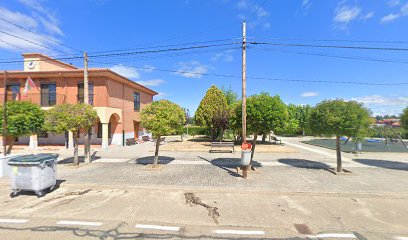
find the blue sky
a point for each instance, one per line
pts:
(103, 25)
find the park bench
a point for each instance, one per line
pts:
(130, 141)
(222, 144)
(275, 140)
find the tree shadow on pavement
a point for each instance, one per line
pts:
(149, 160)
(303, 163)
(394, 165)
(229, 163)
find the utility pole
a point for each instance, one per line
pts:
(245, 168)
(87, 148)
(5, 116)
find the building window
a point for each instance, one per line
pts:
(48, 94)
(99, 134)
(13, 91)
(136, 101)
(81, 93)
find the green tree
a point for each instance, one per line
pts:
(404, 119)
(23, 118)
(73, 118)
(298, 115)
(212, 106)
(230, 95)
(162, 118)
(339, 117)
(264, 114)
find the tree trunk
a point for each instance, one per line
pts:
(263, 138)
(75, 140)
(338, 153)
(11, 144)
(303, 132)
(253, 147)
(156, 153)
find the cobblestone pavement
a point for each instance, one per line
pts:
(302, 171)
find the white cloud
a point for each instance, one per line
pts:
(47, 17)
(389, 18)
(129, 72)
(153, 82)
(346, 14)
(382, 100)
(393, 3)
(38, 22)
(393, 16)
(258, 14)
(192, 69)
(383, 105)
(367, 16)
(306, 4)
(309, 94)
(225, 56)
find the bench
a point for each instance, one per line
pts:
(130, 141)
(222, 144)
(275, 140)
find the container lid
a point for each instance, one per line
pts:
(33, 159)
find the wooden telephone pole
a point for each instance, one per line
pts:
(5, 116)
(244, 168)
(87, 148)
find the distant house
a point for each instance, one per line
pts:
(116, 99)
(392, 122)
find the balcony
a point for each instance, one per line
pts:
(42, 99)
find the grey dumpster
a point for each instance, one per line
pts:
(33, 173)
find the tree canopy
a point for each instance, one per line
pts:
(339, 117)
(404, 118)
(264, 114)
(23, 118)
(70, 117)
(213, 109)
(162, 118)
(73, 118)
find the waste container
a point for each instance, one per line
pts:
(245, 157)
(33, 173)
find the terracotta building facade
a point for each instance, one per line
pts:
(117, 100)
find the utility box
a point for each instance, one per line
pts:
(36, 173)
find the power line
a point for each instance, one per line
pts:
(14, 45)
(341, 40)
(342, 57)
(45, 37)
(164, 46)
(329, 46)
(133, 52)
(160, 50)
(40, 45)
(267, 78)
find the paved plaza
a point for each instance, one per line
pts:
(199, 195)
